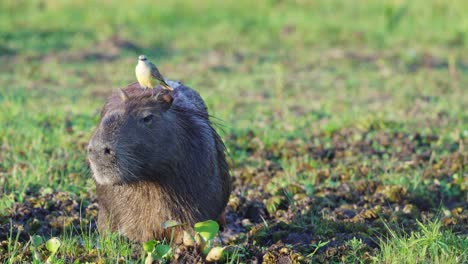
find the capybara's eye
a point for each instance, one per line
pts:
(147, 119)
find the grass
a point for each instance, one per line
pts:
(427, 245)
(345, 122)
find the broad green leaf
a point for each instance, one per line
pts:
(53, 245)
(207, 229)
(36, 240)
(149, 245)
(163, 251)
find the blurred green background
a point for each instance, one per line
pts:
(284, 70)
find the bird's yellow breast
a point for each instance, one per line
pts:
(143, 74)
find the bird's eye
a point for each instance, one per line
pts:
(147, 119)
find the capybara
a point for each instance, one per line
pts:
(155, 156)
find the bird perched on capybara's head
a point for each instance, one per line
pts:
(156, 157)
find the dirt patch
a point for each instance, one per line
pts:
(48, 213)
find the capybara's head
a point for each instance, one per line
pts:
(135, 136)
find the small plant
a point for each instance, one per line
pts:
(355, 245)
(317, 247)
(36, 241)
(52, 246)
(170, 224)
(235, 255)
(149, 247)
(205, 232)
(155, 251)
(207, 229)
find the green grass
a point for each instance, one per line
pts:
(287, 81)
(427, 245)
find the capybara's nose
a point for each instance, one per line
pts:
(99, 149)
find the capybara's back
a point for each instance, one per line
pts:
(156, 157)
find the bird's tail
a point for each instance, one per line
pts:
(166, 86)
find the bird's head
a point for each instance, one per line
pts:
(142, 58)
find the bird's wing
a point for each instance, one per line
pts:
(155, 72)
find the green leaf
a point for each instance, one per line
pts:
(171, 223)
(53, 245)
(317, 247)
(207, 229)
(36, 240)
(321, 244)
(163, 251)
(149, 246)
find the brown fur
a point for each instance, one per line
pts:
(172, 169)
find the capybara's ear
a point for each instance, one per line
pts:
(123, 95)
(165, 98)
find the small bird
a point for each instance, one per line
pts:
(147, 74)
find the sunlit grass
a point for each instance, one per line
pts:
(429, 244)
